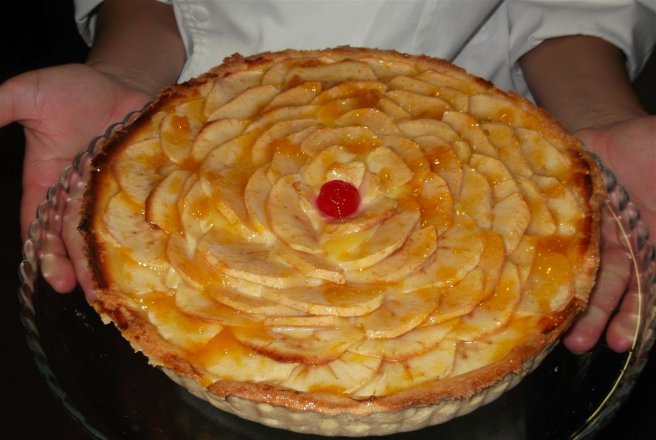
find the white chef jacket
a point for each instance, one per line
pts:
(486, 37)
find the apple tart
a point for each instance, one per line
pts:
(342, 242)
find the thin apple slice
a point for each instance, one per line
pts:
(492, 348)
(132, 277)
(249, 261)
(340, 71)
(494, 170)
(460, 299)
(182, 330)
(125, 221)
(392, 109)
(226, 357)
(196, 302)
(543, 157)
(372, 118)
(256, 194)
(391, 169)
(510, 214)
(455, 98)
(193, 270)
(369, 189)
(230, 86)
(390, 236)
(419, 106)
(494, 108)
(235, 152)
(458, 251)
(511, 218)
(399, 313)
(246, 303)
(406, 149)
(542, 222)
(351, 172)
(343, 375)
(434, 198)
(331, 299)
(343, 90)
(301, 94)
(275, 75)
(396, 376)
(280, 114)
(316, 346)
(356, 139)
(475, 198)
(136, 168)
(246, 104)
(413, 343)
(198, 215)
(318, 167)
(468, 128)
(505, 141)
(416, 86)
(549, 287)
(287, 160)
(265, 145)
(492, 261)
(390, 69)
(416, 250)
(288, 220)
(177, 132)
(428, 127)
(214, 134)
(227, 189)
(452, 80)
(494, 313)
(523, 256)
(307, 321)
(561, 203)
(314, 266)
(444, 161)
(161, 206)
(372, 214)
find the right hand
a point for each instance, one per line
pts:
(62, 109)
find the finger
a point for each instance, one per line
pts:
(75, 247)
(613, 277)
(623, 328)
(58, 271)
(38, 176)
(55, 266)
(18, 98)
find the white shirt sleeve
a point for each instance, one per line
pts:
(630, 25)
(85, 18)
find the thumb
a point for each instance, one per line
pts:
(19, 98)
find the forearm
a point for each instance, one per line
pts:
(581, 80)
(138, 43)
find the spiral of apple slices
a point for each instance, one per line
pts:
(468, 231)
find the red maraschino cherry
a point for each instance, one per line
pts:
(338, 199)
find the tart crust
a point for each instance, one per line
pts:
(127, 301)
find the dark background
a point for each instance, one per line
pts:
(38, 33)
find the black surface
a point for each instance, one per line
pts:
(39, 33)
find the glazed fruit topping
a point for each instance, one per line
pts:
(338, 199)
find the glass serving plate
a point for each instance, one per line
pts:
(113, 392)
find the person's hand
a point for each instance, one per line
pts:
(628, 148)
(61, 109)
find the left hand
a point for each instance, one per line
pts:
(628, 148)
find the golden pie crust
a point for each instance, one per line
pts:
(474, 245)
